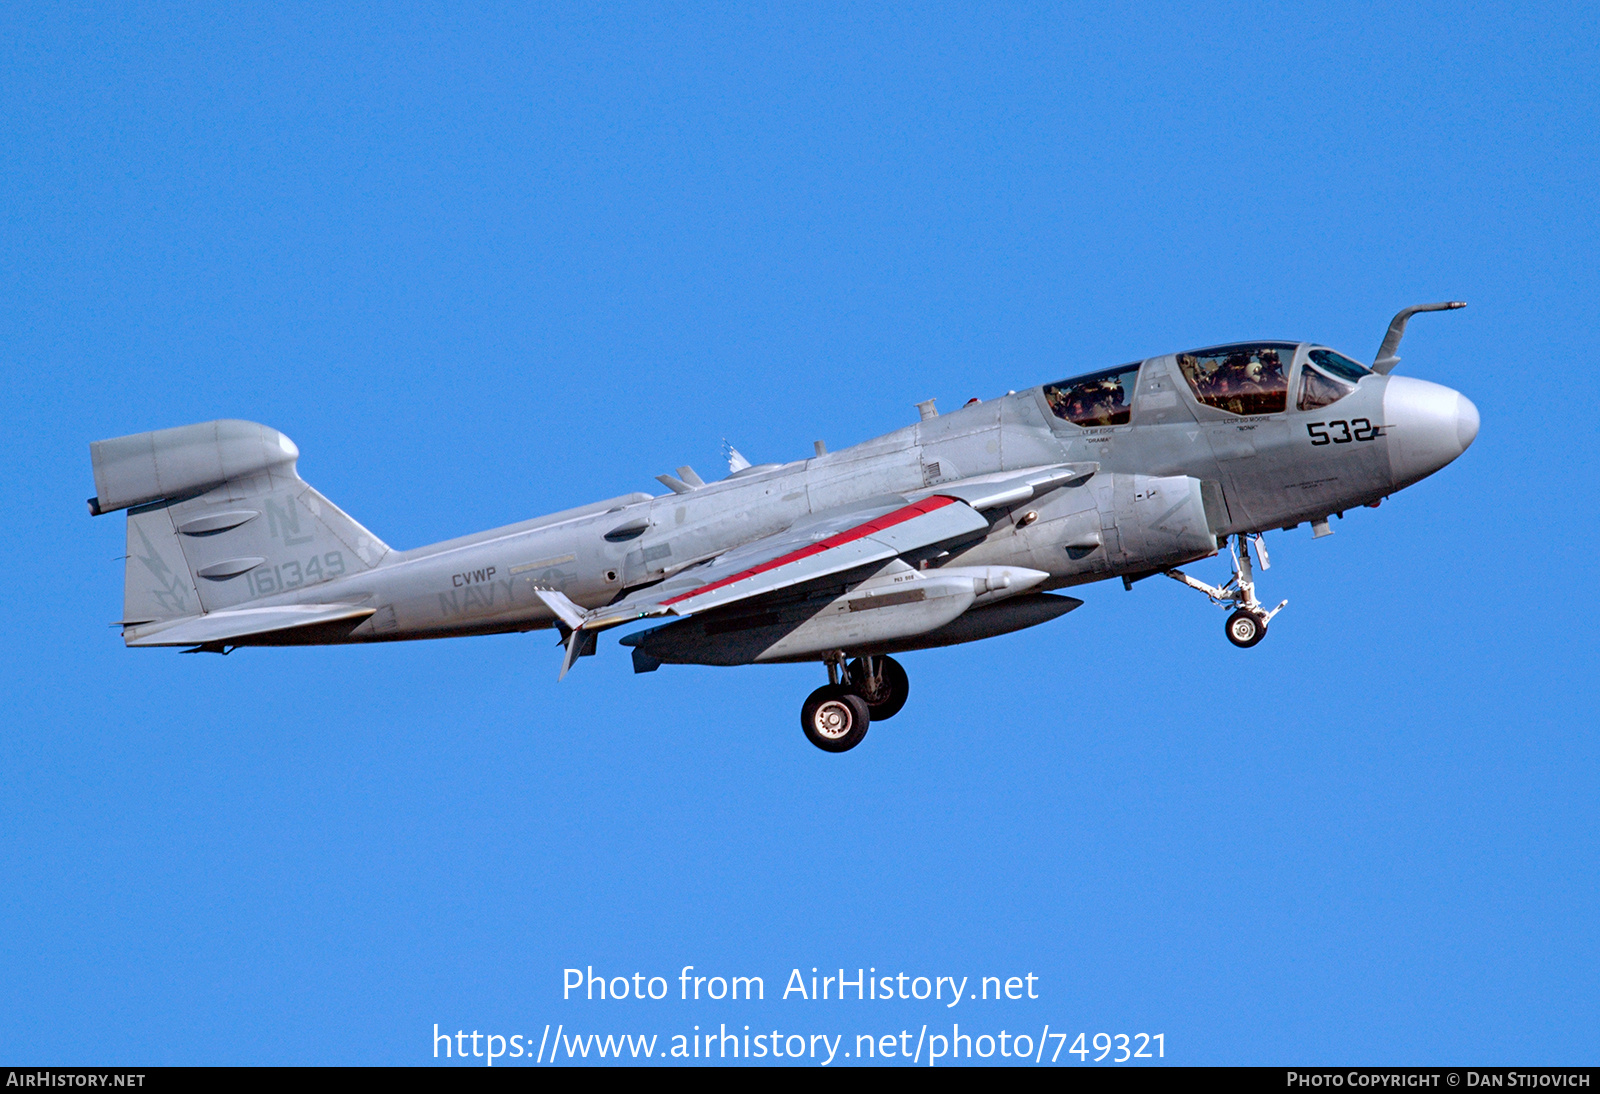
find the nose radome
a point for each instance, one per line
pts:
(1466, 422)
(1428, 426)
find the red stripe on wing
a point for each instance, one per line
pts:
(861, 531)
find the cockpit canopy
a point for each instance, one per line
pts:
(1326, 377)
(1243, 378)
(1101, 398)
(1248, 378)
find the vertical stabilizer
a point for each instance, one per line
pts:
(218, 516)
(157, 585)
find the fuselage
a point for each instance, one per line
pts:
(1189, 448)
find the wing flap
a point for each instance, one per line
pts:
(225, 626)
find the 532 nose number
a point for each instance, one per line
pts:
(1356, 429)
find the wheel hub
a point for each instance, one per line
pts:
(833, 720)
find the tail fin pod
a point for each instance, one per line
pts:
(219, 516)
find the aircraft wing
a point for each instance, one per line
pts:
(805, 551)
(829, 543)
(841, 542)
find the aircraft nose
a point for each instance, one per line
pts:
(1466, 422)
(1428, 426)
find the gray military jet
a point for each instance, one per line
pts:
(946, 531)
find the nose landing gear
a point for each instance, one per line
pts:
(1248, 623)
(835, 717)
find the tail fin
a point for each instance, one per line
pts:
(218, 516)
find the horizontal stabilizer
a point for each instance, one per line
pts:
(225, 626)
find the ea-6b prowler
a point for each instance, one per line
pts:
(946, 531)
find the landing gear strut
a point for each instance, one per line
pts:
(835, 717)
(1248, 623)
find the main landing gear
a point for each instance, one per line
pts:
(1248, 623)
(835, 717)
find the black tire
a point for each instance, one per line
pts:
(1245, 628)
(834, 718)
(886, 700)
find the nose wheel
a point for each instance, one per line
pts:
(1248, 623)
(1246, 628)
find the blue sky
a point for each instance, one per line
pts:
(485, 264)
